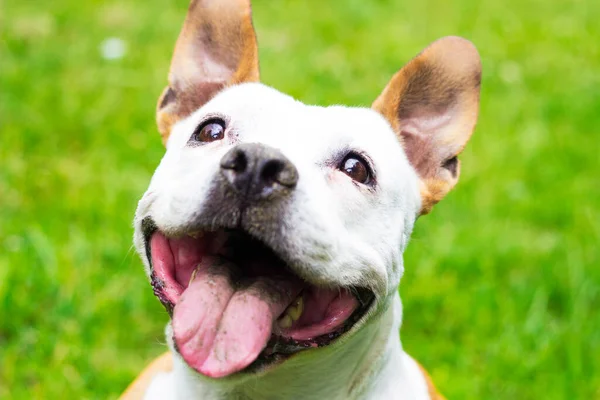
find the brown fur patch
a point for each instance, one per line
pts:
(433, 392)
(441, 84)
(216, 48)
(137, 389)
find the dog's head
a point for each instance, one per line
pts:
(272, 227)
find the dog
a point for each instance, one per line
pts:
(273, 231)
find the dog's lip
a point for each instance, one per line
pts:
(279, 347)
(149, 227)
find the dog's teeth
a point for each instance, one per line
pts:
(292, 313)
(285, 322)
(296, 309)
(196, 235)
(194, 272)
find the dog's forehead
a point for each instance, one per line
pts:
(262, 114)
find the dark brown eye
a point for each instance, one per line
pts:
(209, 131)
(356, 168)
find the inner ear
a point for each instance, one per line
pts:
(216, 48)
(167, 97)
(452, 166)
(432, 104)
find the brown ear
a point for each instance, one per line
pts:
(432, 103)
(216, 48)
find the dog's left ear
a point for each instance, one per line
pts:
(432, 104)
(216, 48)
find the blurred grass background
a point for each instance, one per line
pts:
(502, 287)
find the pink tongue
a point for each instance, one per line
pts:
(220, 330)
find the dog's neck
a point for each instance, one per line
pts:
(340, 372)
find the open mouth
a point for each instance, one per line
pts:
(236, 305)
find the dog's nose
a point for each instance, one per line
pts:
(258, 172)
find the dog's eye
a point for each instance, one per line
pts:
(209, 131)
(356, 168)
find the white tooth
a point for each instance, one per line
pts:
(194, 272)
(296, 309)
(285, 322)
(292, 313)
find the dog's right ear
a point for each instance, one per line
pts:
(216, 48)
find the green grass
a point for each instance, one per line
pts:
(502, 281)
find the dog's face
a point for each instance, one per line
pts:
(271, 227)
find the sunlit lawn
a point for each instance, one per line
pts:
(502, 287)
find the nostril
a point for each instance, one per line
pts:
(279, 171)
(235, 160)
(270, 171)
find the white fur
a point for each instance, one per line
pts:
(361, 232)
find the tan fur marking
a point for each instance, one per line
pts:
(137, 389)
(432, 105)
(431, 389)
(216, 48)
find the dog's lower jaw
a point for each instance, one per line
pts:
(369, 365)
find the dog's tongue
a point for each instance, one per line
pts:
(220, 329)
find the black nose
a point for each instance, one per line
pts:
(258, 172)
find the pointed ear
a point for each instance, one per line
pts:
(216, 48)
(432, 104)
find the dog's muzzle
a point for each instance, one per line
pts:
(234, 283)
